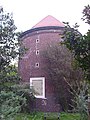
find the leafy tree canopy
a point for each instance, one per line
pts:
(12, 97)
(79, 44)
(9, 45)
(86, 14)
(58, 63)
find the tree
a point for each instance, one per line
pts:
(58, 62)
(8, 73)
(11, 98)
(8, 46)
(79, 45)
(86, 14)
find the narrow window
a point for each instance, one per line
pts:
(37, 52)
(37, 65)
(37, 40)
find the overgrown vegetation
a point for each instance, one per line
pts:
(80, 48)
(59, 62)
(13, 97)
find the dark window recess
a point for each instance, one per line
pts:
(37, 52)
(37, 65)
(37, 40)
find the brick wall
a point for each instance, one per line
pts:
(27, 67)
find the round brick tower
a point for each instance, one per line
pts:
(31, 66)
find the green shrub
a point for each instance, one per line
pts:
(25, 91)
(81, 102)
(10, 104)
(15, 101)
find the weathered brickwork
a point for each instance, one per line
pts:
(27, 67)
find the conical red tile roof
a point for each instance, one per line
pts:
(49, 21)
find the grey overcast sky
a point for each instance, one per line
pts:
(27, 13)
